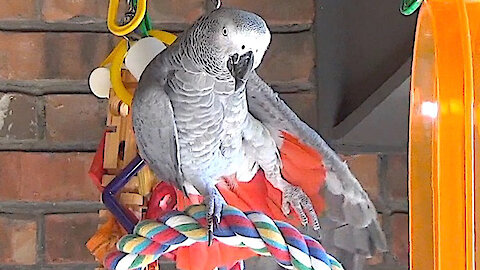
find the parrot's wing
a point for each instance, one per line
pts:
(155, 129)
(350, 223)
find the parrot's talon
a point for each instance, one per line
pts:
(316, 223)
(296, 198)
(210, 236)
(214, 202)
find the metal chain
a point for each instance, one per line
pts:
(130, 12)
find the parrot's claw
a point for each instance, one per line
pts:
(240, 67)
(214, 202)
(297, 199)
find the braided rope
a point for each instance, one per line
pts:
(254, 230)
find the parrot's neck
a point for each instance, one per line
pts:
(196, 47)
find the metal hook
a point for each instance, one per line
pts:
(218, 4)
(127, 38)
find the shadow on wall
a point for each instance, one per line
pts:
(360, 44)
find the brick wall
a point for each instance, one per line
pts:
(50, 123)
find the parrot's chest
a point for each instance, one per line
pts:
(210, 134)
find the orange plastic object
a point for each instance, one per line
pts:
(105, 239)
(442, 142)
(97, 171)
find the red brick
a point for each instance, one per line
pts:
(365, 168)
(397, 176)
(28, 56)
(75, 118)
(73, 56)
(22, 55)
(279, 12)
(63, 10)
(18, 10)
(19, 238)
(290, 58)
(400, 238)
(18, 117)
(46, 177)
(66, 235)
(304, 104)
(174, 11)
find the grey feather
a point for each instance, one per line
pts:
(154, 122)
(351, 216)
(187, 117)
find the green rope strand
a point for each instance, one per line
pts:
(146, 24)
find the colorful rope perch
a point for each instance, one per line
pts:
(254, 230)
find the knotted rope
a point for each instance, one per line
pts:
(254, 230)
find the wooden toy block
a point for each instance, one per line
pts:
(106, 179)
(131, 186)
(130, 150)
(104, 214)
(131, 198)
(112, 143)
(117, 107)
(120, 149)
(129, 81)
(146, 181)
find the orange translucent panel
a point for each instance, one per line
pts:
(442, 141)
(421, 146)
(474, 16)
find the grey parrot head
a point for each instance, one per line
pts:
(225, 32)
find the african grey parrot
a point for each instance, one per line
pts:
(201, 113)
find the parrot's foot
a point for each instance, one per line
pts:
(295, 197)
(240, 67)
(231, 182)
(214, 202)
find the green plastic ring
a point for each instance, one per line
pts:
(408, 7)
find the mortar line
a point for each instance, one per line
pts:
(41, 117)
(52, 87)
(44, 146)
(40, 240)
(35, 26)
(383, 181)
(38, 9)
(42, 208)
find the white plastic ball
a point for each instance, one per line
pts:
(141, 53)
(99, 82)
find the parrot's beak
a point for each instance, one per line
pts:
(241, 66)
(249, 60)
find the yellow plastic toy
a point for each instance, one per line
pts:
(443, 114)
(117, 56)
(129, 27)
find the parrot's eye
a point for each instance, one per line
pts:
(225, 31)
